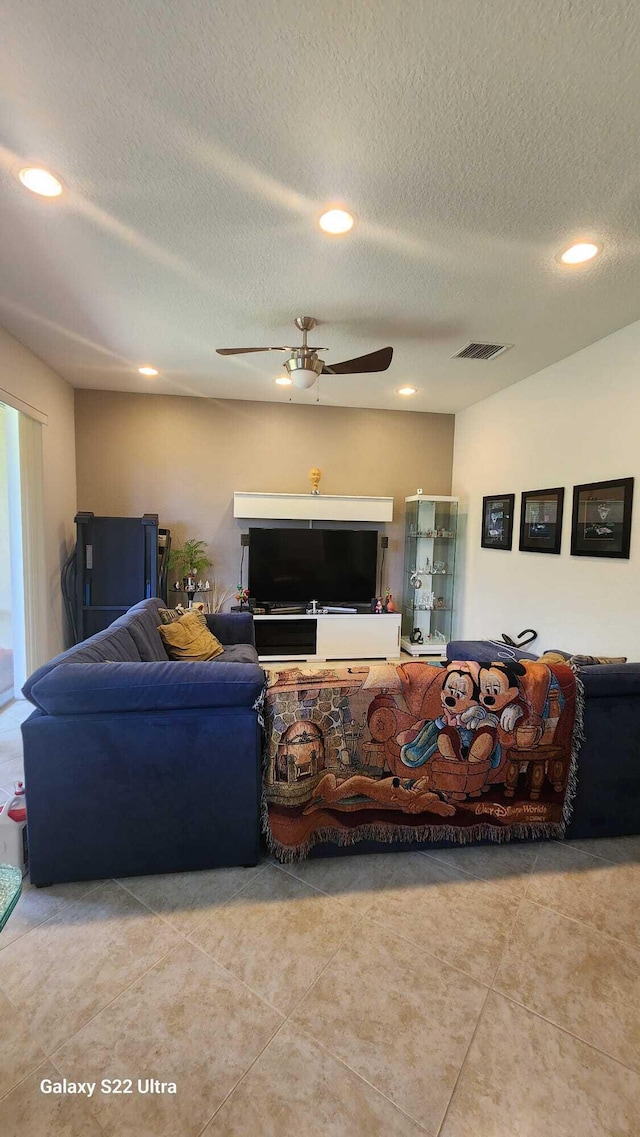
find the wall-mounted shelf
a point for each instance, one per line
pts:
(311, 507)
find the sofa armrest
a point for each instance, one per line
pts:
(93, 688)
(606, 680)
(232, 627)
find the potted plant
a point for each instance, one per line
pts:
(189, 560)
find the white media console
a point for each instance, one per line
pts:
(335, 636)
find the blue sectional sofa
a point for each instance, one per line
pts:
(135, 764)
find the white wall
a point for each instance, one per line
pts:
(26, 377)
(576, 421)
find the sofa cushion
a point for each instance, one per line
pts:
(142, 623)
(190, 638)
(237, 653)
(112, 645)
(100, 688)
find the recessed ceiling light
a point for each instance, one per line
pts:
(407, 390)
(284, 381)
(577, 254)
(147, 371)
(40, 181)
(336, 221)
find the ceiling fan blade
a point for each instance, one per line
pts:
(374, 361)
(245, 350)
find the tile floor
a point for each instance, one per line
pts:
(479, 992)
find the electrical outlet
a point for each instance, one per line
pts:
(384, 541)
(244, 540)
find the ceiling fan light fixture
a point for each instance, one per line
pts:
(304, 368)
(305, 377)
(336, 221)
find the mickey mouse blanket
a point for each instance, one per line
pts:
(418, 752)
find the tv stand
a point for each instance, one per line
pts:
(332, 636)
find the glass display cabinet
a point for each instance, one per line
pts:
(431, 528)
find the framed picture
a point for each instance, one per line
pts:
(497, 521)
(541, 521)
(601, 522)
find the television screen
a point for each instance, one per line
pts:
(333, 566)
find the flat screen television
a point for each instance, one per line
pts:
(293, 566)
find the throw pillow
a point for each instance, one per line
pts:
(190, 638)
(169, 615)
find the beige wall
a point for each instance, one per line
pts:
(183, 458)
(574, 422)
(26, 377)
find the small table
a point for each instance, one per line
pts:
(541, 761)
(191, 593)
(10, 889)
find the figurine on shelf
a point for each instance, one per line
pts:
(440, 602)
(315, 474)
(242, 595)
(416, 636)
(389, 602)
(379, 606)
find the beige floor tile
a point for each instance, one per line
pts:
(589, 889)
(187, 899)
(508, 865)
(317, 1097)
(39, 904)
(577, 977)
(19, 1051)
(27, 1112)
(277, 935)
(185, 1021)
(616, 849)
(353, 880)
(66, 970)
(524, 1077)
(398, 1017)
(462, 920)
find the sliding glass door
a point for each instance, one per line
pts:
(23, 597)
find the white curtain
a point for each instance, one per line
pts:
(33, 549)
(28, 565)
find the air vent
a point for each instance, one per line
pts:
(482, 350)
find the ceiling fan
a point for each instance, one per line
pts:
(305, 368)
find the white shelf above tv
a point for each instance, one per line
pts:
(311, 507)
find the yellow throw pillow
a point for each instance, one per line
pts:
(190, 638)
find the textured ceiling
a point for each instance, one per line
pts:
(198, 141)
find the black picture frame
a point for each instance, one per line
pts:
(601, 519)
(497, 521)
(541, 520)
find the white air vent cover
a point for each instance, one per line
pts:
(482, 350)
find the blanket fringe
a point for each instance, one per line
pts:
(577, 739)
(414, 834)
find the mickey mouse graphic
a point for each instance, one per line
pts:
(499, 693)
(467, 730)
